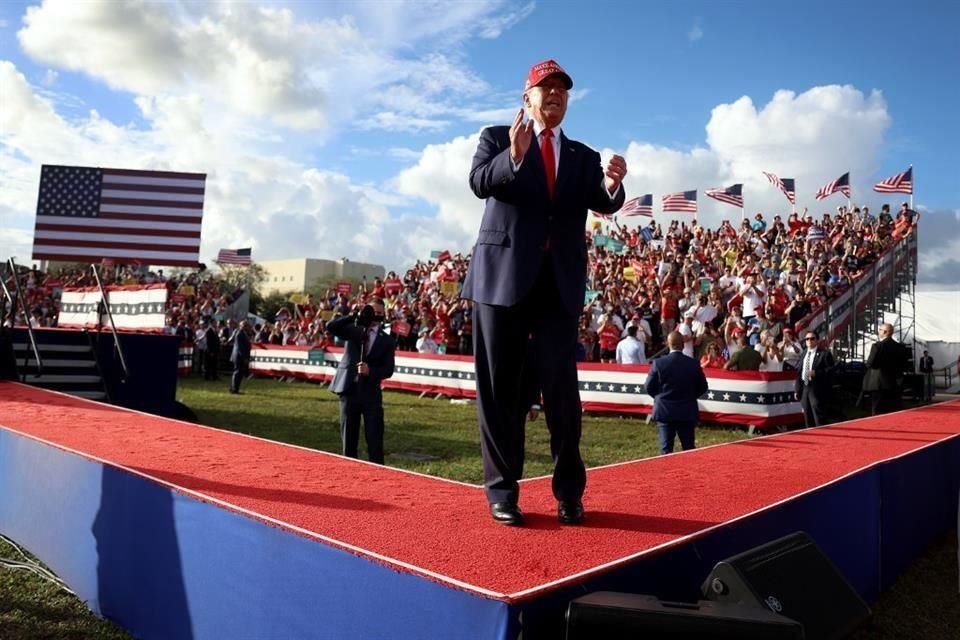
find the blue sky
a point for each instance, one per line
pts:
(346, 128)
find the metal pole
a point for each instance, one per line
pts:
(26, 317)
(113, 326)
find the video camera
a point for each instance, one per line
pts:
(366, 315)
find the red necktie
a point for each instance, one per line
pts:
(549, 164)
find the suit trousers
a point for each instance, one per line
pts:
(668, 431)
(241, 369)
(353, 406)
(502, 337)
(814, 409)
(885, 401)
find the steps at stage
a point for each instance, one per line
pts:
(66, 366)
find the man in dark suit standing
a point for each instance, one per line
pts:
(240, 355)
(211, 357)
(527, 280)
(368, 357)
(814, 384)
(885, 366)
(675, 382)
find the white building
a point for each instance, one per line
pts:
(299, 274)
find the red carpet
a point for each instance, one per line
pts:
(440, 528)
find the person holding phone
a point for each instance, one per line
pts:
(527, 281)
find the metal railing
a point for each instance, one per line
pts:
(26, 316)
(113, 326)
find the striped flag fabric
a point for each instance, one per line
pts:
(234, 256)
(682, 201)
(900, 183)
(841, 184)
(731, 195)
(786, 185)
(602, 216)
(88, 214)
(642, 206)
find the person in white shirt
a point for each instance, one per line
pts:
(686, 330)
(630, 350)
(753, 295)
(791, 350)
(426, 343)
(644, 334)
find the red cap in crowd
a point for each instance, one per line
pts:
(543, 70)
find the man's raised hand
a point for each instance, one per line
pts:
(614, 173)
(521, 134)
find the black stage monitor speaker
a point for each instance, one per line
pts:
(611, 616)
(793, 577)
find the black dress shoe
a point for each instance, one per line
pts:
(506, 513)
(570, 512)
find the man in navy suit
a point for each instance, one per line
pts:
(676, 381)
(240, 356)
(814, 384)
(368, 356)
(527, 279)
(885, 367)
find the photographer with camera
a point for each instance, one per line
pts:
(368, 357)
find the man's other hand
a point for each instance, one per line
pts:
(521, 135)
(614, 173)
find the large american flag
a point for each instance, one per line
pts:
(642, 206)
(731, 195)
(841, 184)
(785, 185)
(683, 201)
(88, 214)
(900, 183)
(235, 256)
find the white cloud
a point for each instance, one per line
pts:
(812, 137)
(385, 64)
(49, 78)
(441, 179)
(493, 26)
(695, 33)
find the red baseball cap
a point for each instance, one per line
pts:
(543, 70)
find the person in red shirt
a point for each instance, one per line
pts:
(609, 336)
(712, 358)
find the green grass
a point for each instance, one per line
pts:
(440, 438)
(435, 437)
(32, 608)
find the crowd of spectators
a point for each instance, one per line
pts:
(723, 289)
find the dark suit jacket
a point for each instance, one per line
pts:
(823, 368)
(241, 347)
(676, 381)
(884, 365)
(380, 358)
(520, 216)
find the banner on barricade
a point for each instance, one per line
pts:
(137, 307)
(738, 397)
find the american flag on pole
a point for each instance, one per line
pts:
(642, 206)
(841, 184)
(234, 256)
(683, 201)
(785, 185)
(731, 195)
(89, 214)
(900, 183)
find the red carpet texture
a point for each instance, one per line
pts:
(441, 529)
